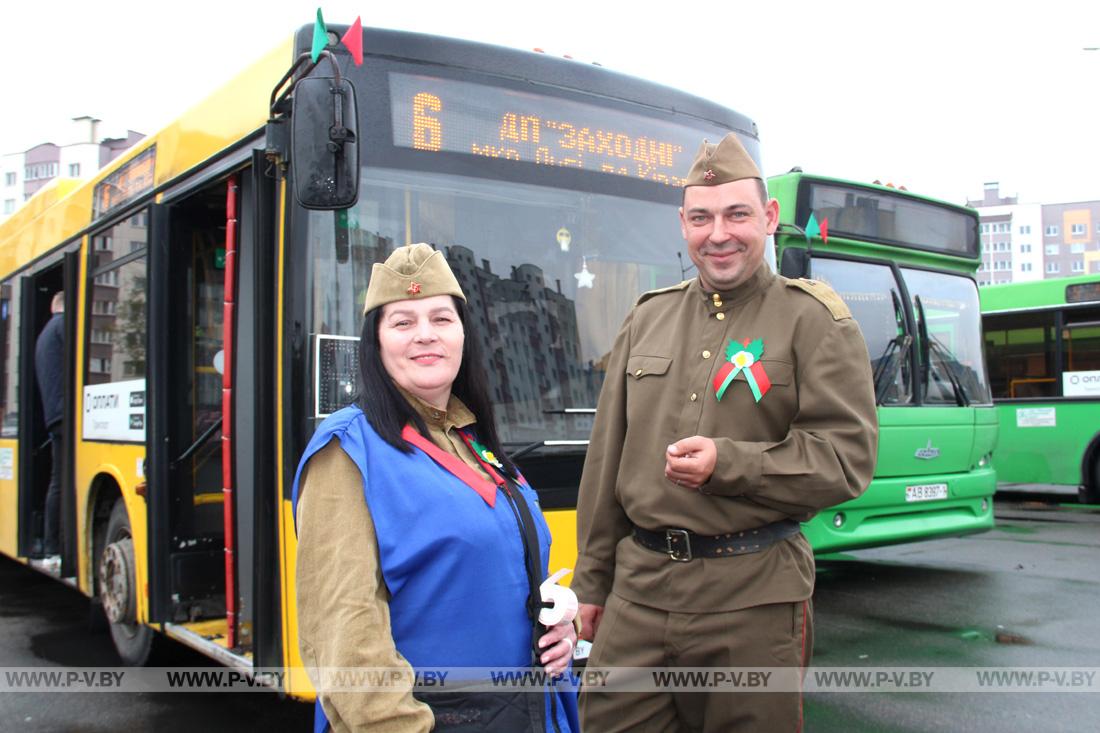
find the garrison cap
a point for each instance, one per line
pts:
(411, 272)
(727, 161)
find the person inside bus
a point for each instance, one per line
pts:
(48, 366)
(420, 545)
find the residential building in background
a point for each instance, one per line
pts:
(1035, 241)
(24, 174)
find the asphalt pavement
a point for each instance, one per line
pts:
(1022, 596)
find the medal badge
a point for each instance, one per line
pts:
(743, 358)
(486, 455)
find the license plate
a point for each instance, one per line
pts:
(926, 492)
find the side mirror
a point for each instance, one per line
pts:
(324, 157)
(795, 264)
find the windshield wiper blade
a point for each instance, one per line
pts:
(933, 346)
(884, 377)
(538, 445)
(945, 359)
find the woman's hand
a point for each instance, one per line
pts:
(557, 646)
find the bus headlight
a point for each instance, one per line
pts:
(985, 460)
(838, 520)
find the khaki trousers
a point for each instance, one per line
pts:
(632, 635)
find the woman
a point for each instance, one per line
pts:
(419, 544)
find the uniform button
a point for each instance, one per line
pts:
(720, 316)
(694, 396)
(638, 373)
(706, 354)
(717, 303)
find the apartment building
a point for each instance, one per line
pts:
(1032, 241)
(23, 174)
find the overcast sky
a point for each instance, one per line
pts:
(938, 96)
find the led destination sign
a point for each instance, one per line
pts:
(442, 115)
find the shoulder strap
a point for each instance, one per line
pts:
(670, 289)
(531, 555)
(824, 295)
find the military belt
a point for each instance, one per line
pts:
(683, 545)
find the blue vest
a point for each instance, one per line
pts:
(454, 566)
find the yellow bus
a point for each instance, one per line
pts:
(214, 277)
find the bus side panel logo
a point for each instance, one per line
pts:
(928, 452)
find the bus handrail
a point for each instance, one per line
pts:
(199, 442)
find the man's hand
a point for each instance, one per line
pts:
(591, 615)
(690, 462)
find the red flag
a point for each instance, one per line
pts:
(353, 39)
(825, 230)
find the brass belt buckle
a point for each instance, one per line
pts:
(673, 553)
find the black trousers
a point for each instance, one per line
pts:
(52, 545)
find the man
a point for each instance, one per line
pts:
(735, 405)
(49, 369)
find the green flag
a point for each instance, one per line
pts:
(320, 37)
(812, 228)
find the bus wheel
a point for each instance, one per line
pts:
(118, 591)
(1089, 493)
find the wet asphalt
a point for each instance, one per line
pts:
(1024, 595)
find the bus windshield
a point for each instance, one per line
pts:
(873, 296)
(949, 334)
(555, 208)
(549, 275)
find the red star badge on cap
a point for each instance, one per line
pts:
(709, 175)
(414, 288)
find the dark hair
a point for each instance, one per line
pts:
(389, 412)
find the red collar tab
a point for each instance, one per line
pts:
(485, 489)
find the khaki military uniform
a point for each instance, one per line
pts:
(809, 443)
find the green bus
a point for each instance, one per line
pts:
(1042, 340)
(905, 266)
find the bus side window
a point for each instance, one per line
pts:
(9, 359)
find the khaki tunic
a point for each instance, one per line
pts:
(808, 444)
(343, 603)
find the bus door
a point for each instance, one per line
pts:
(202, 546)
(35, 459)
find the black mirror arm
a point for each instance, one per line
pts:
(276, 98)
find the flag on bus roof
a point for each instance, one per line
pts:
(353, 39)
(320, 37)
(825, 230)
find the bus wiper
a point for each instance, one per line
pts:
(933, 346)
(538, 445)
(945, 359)
(884, 377)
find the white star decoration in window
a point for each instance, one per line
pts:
(584, 277)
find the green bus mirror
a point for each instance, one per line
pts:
(324, 145)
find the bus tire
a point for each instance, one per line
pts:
(1089, 493)
(117, 587)
(97, 620)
